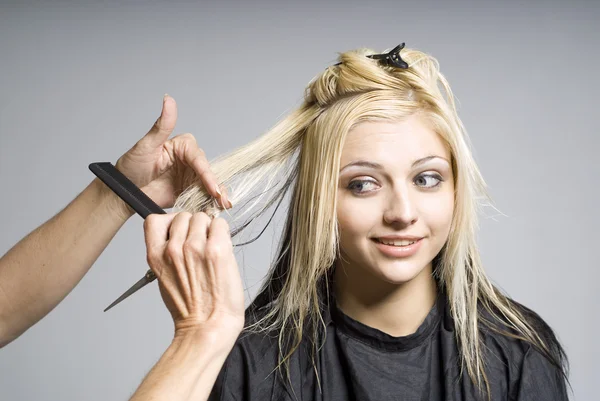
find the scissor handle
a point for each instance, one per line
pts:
(150, 276)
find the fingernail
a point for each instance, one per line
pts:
(165, 96)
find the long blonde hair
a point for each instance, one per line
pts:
(302, 152)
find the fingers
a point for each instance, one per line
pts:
(179, 229)
(156, 233)
(195, 244)
(220, 261)
(193, 156)
(218, 232)
(198, 231)
(199, 280)
(218, 244)
(180, 268)
(156, 230)
(164, 125)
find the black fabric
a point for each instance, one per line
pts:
(360, 363)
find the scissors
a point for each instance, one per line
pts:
(138, 201)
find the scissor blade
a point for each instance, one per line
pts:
(148, 278)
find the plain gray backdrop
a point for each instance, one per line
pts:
(82, 82)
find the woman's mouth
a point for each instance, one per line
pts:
(398, 248)
(402, 242)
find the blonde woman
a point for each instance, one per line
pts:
(378, 291)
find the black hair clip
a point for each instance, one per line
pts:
(392, 58)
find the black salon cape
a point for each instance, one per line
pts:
(360, 363)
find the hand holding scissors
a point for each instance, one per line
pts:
(155, 167)
(192, 257)
(140, 203)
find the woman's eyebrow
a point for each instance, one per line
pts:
(428, 158)
(377, 166)
(362, 163)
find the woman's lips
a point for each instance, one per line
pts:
(398, 251)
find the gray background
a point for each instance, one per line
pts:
(81, 83)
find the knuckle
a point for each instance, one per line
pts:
(218, 250)
(184, 215)
(191, 249)
(173, 251)
(188, 137)
(159, 126)
(150, 221)
(201, 217)
(151, 257)
(214, 252)
(221, 222)
(200, 154)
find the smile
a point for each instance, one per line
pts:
(398, 248)
(395, 242)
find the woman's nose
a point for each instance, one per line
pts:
(401, 208)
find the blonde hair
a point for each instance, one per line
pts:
(303, 152)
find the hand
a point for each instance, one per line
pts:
(158, 166)
(197, 273)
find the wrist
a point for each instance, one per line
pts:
(115, 205)
(219, 340)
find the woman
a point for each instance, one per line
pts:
(378, 291)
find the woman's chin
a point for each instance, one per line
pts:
(400, 272)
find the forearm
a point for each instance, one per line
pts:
(187, 370)
(41, 269)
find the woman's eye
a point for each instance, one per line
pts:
(428, 180)
(361, 186)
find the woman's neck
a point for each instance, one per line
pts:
(395, 309)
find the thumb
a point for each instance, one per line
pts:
(164, 125)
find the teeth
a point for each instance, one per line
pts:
(397, 242)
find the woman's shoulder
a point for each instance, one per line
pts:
(535, 364)
(541, 353)
(496, 325)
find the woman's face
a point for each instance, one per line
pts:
(395, 199)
